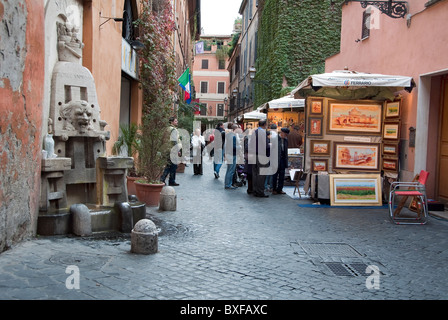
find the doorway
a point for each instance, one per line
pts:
(442, 170)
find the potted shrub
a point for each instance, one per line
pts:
(158, 83)
(128, 143)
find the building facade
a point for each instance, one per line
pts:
(211, 77)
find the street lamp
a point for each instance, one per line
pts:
(235, 96)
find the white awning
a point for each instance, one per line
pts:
(285, 102)
(252, 116)
(352, 80)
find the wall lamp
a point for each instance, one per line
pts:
(137, 45)
(110, 18)
(252, 72)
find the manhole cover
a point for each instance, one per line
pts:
(78, 259)
(330, 249)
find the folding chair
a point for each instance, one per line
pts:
(415, 189)
(297, 177)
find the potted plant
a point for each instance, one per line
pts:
(158, 84)
(128, 143)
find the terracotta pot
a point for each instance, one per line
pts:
(131, 186)
(149, 193)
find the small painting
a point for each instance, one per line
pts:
(356, 156)
(315, 127)
(349, 117)
(390, 149)
(355, 190)
(391, 131)
(390, 164)
(392, 110)
(319, 165)
(316, 106)
(320, 147)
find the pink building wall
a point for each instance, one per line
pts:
(415, 46)
(212, 76)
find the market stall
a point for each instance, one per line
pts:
(288, 112)
(352, 134)
(250, 119)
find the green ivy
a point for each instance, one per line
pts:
(294, 39)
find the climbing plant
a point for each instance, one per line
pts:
(294, 39)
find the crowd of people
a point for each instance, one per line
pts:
(257, 158)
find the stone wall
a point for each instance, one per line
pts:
(21, 104)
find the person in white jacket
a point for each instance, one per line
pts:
(198, 144)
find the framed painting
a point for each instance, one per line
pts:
(319, 165)
(390, 149)
(356, 156)
(355, 190)
(316, 106)
(295, 161)
(320, 147)
(354, 117)
(315, 126)
(392, 110)
(390, 164)
(391, 131)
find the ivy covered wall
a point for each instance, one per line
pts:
(294, 39)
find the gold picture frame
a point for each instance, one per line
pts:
(391, 131)
(319, 165)
(392, 110)
(359, 117)
(356, 156)
(355, 190)
(320, 147)
(316, 106)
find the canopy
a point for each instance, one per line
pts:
(252, 116)
(282, 103)
(353, 85)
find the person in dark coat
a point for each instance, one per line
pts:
(260, 148)
(295, 138)
(279, 176)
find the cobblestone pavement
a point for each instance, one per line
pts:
(226, 244)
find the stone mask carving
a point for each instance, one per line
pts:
(77, 116)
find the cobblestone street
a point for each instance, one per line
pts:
(226, 244)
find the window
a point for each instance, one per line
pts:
(203, 109)
(204, 63)
(221, 87)
(221, 64)
(220, 110)
(204, 87)
(365, 25)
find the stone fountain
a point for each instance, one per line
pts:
(77, 177)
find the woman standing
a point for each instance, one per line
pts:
(198, 143)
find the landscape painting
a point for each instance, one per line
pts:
(356, 156)
(355, 189)
(360, 118)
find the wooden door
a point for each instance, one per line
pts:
(443, 143)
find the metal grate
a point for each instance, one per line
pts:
(330, 249)
(356, 269)
(339, 269)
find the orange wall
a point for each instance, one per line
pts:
(102, 56)
(20, 124)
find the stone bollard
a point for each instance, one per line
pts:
(82, 222)
(144, 237)
(168, 199)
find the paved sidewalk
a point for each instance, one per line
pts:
(227, 245)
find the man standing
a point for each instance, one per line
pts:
(295, 138)
(260, 146)
(176, 145)
(218, 152)
(279, 176)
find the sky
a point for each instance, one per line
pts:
(217, 16)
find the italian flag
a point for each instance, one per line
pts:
(184, 82)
